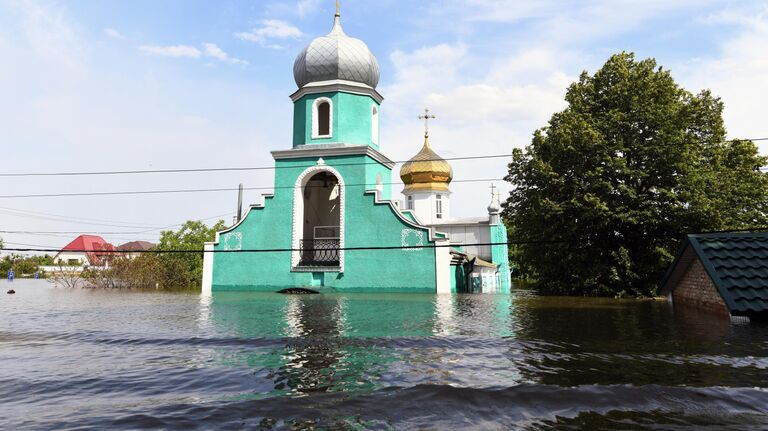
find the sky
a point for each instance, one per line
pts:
(177, 84)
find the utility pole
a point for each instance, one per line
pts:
(239, 202)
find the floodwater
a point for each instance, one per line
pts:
(83, 359)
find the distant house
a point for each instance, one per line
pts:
(134, 249)
(85, 250)
(725, 274)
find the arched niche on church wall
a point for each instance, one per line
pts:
(318, 219)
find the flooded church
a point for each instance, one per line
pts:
(334, 222)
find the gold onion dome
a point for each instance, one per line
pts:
(426, 171)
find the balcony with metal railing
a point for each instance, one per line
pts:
(323, 250)
(319, 252)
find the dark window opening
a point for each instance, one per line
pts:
(324, 119)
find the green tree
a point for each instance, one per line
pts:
(23, 265)
(186, 269)
(631, 164)
(174, 264)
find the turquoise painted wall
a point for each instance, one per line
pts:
(458, 277)
(500, 254)
(372, 172)
(351, 123)
(366, 224)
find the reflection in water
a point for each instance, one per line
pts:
(363, 342)
(106, 359)
(444, 322)
(311, 365)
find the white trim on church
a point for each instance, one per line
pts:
(298, 214)
(316, 118)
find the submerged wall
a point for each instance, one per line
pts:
(696, 290)
(366, 223)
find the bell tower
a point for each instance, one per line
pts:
(337, 102)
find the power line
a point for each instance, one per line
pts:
(70, 219)
(89, 221)
(59, 232)
(63, 233)
(259, 168)
(225, 169)
(398, 247)
(69, 235)
(277, 250)
(225, 189)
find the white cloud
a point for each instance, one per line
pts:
(65, 107)
(504, 10)
(738, 75)
(484, 105)
(187, 51)
(48, 35)
(306, 7)
(111, 32)
(212, 50)
(176, 51)
(271, 29)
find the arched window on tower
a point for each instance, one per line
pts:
(322, 118)
(375, 125)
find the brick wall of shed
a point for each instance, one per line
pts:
(696, 290)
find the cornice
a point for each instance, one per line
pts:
(320, 150)
(337, 85)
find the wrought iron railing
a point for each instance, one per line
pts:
(319, 252)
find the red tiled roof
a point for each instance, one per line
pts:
(94, 247)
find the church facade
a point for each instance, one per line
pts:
(333, 222)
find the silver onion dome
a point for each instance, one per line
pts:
(336, 56)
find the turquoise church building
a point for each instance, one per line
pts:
(334, 223)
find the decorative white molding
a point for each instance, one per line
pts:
(335, 86)
(298, 212)
(330, 150)
(315, 120)
(405, 239)
(233, 241)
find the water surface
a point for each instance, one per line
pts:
(84, 359)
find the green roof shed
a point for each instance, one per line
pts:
(726, 273)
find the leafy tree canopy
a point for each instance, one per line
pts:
(632, 163)
(23, 265)
(191, 236)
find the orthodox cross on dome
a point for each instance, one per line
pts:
(493, 189)
(426, 117)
